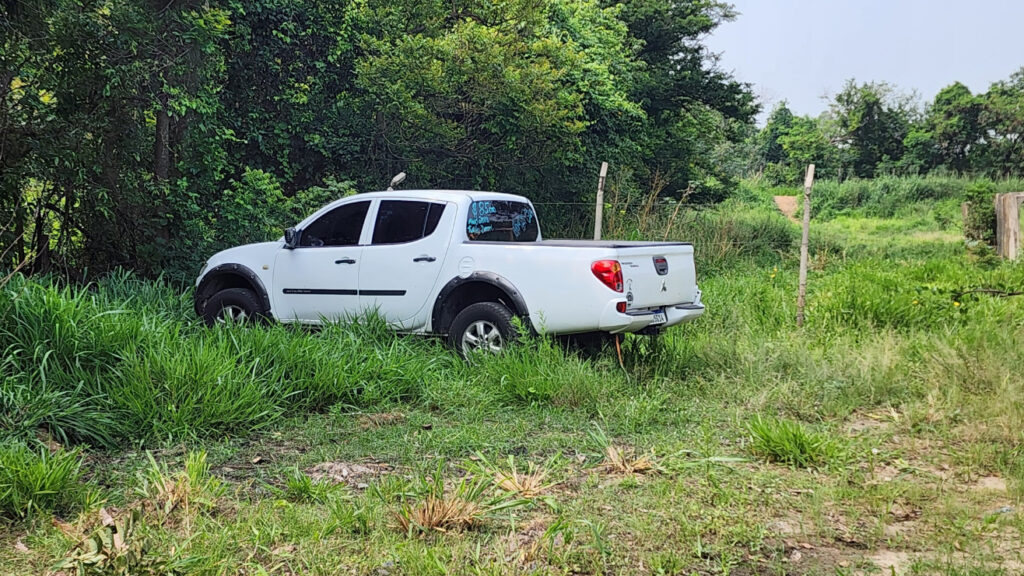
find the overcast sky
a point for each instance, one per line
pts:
(799, 50)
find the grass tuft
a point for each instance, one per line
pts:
(621, 460)
(34, 481)
(792, 443)
(300, 487)
(188, 491)
(460, 505)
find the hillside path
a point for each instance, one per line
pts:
(787, 205)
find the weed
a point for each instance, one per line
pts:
(530, 484)
(34, 481)
(467, 503)
(792, 443)
(621, 460)
(299, 487)
(122, 548)
(190, 490)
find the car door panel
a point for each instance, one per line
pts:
(401, 267)
(319, 279)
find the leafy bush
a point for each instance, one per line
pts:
(37, 481)
(980, 220)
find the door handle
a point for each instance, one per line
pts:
(345, 261)
(424, 259)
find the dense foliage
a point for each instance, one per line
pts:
(871, 130)
(146, 134)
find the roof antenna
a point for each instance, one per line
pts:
(398, 179)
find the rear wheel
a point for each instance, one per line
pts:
(236, 305)
(481, 327)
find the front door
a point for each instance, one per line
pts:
(403, 261)
(319, 278)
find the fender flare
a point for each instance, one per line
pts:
(515, 297)
(222, 270)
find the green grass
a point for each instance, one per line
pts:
(793, 443)
(891, 423)
(37, 481)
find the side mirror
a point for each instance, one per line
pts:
(398, 179)
(291, 238)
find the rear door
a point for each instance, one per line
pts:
(401, 264)
(657, 275)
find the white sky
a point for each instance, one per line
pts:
(800, 50)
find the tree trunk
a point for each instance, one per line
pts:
(162, 151)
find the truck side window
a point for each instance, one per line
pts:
(401, 221)
(501, 221)
(339, 227)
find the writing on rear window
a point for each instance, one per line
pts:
(501, 221)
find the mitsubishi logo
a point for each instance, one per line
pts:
(664, 288)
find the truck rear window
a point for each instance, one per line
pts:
(501, 221)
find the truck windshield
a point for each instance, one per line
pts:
(501, 221)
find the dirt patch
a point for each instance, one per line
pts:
(353, 474)
(368, 421)
(864, 424)
(990, 483)
(891, 561)
(788, 206)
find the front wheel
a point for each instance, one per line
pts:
(481, 327)
(233, 305)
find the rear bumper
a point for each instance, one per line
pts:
(615, 322)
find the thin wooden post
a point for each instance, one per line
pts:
(801, 297)
(599, 208)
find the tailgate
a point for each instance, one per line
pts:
(658, 275)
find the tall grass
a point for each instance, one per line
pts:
(34, 481)
(124, 362)
(90, 365)
(890, 196)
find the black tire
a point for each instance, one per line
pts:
(237, 304)
(484, 327)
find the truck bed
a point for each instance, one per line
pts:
(568, 243)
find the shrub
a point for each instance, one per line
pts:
(980, 220)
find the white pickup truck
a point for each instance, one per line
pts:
(453, 263)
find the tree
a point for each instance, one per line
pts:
(142, 133)
(1002, 124)
(769, 149)
(691, 105)
(874, 120)
(954, 123)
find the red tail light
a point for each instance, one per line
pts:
(609, 272)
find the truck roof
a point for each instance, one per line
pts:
(443, 195)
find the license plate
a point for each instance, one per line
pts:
(659, 318)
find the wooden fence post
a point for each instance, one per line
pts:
(801, 297)
(599, 208)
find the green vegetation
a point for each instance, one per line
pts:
(871, 130)
(137, 138)
(885, 433)
(33, 481)
(792, 443)
(148, 135)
